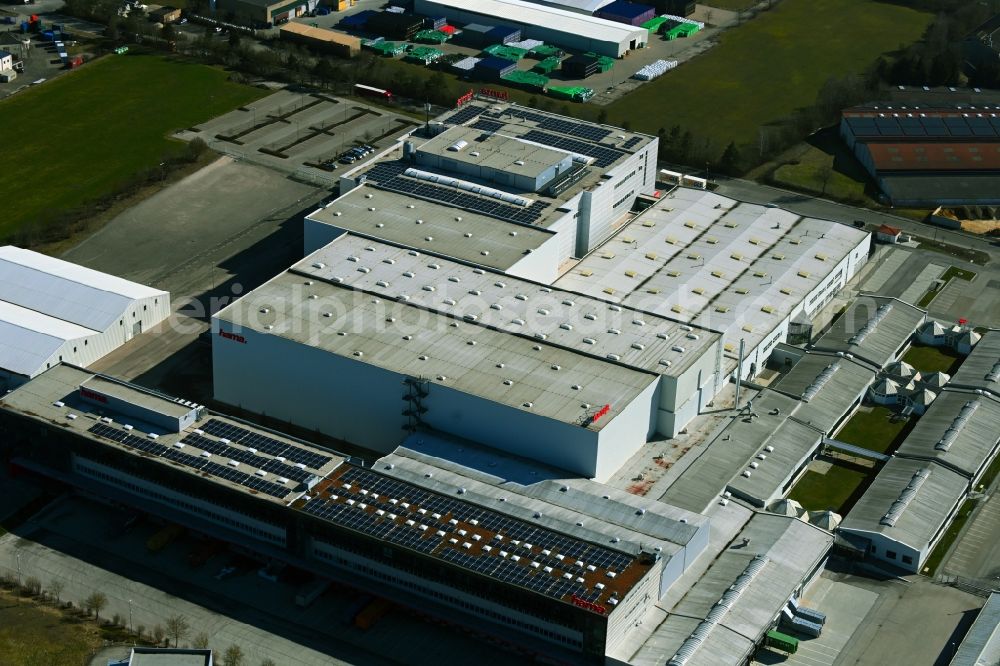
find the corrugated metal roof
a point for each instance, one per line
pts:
(791, 550)
(918, 515)
(66, 291)
(873, 329)
(981, 368)
(828, 384)
(582, 6)
(981, 646)
(959, 430)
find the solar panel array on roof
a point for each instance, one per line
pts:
(478, 204)
(487, 125)
(199, 463)
(477, 539)
(564, 126)
(912, 125)
(268, 445)
(634, 141)
(464, 114)
(384, 171)
(272, 465)
(603, 156)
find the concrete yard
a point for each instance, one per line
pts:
(230, 227)
(301, 134)
(976, 553)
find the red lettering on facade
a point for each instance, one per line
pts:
(93, 396)
(232, 336)
(589, 605)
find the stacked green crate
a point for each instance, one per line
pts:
(547, 66)
(529, 80)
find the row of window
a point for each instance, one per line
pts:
(891, 554)
(626, 178)
(624, 199)
(427, 592)
(118, 482)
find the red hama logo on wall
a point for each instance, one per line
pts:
(86, 393)
(232, 336)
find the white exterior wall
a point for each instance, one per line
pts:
(409, 584)
(541, 265)
(682, 397)
(317, 235)
(362, 403)
(632, 608)
(627, 432)
(883, 544)
(122, 482)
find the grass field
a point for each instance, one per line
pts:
(872, 429)
(770, 66)
(80, 136)
(932, 359)
(35, 635)
(832, 490)
(732, 5)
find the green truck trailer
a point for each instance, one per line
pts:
(781, 641)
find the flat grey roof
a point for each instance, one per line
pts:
(583, 501)
(779, 554)
(981, 368)
(126, 393)
(497, 151)
(919, 513)
(36, 399)
(518, 371)
(828, 385)
(393, 217)
(575, 322)
(722, 462)
(734, 267)
(981, 646)
(959, 429)
(873, 329)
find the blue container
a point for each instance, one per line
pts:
(503, 34)
(25, 26)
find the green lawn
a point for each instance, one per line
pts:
(816, 171)
(872, 429)
(732, 5)
(832, 490)
(932, 359)
(958, 273)
(78, 137)
(770, 66)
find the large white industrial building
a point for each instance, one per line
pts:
(563, 27)
(502, 186)
(53, 311)
(363, 338)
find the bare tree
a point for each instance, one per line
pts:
(95, 603)
(200, 641)
(177, 627)
(268, 662)
(233, 656)
(33, 586)
(158, 634)
(55, 589)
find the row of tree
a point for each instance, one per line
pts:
(175, 627)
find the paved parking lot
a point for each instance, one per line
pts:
(74, 541)
(976, 554)
(301, 134)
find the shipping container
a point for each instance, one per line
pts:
(783, 642)
(311, 591)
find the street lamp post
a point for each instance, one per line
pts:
(130, 619)
(17, 556)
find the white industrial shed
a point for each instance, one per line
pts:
(561, 27)
(52, 311)
(905, 511)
